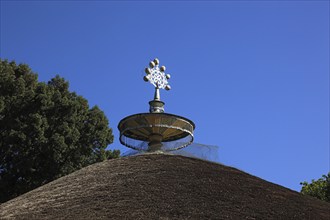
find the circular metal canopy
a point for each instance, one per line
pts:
(155, 130)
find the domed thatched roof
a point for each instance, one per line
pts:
(162, 187)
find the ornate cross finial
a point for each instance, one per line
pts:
(156, 76)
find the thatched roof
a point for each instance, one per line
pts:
(162, 187)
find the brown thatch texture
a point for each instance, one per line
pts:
(162, 187)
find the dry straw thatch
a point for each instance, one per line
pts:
(162, 186)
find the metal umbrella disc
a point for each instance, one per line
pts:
(150, 127)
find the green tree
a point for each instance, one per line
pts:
(46, 131)
(318, 188)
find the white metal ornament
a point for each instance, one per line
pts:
(156, 75)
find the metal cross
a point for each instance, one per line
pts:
(156, 75)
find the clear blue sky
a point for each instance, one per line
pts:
(252, 75)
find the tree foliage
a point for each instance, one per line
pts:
(318, 188)
(46, 131)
